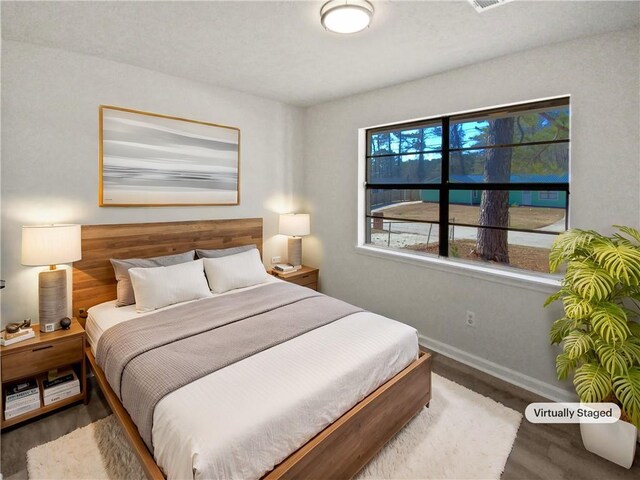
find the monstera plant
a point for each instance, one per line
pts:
(599, 332)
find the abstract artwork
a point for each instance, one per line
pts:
(148, 159)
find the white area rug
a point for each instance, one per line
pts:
(463, 435)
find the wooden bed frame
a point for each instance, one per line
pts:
(340, 450)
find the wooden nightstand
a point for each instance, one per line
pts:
(306, 276)
(35, 357)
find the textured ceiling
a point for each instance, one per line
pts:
(279, 50)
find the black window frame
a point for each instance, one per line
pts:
(445, 186)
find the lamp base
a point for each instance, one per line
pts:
(294, 249)
(52, 287)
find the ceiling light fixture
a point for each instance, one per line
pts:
(346, 16)
(482, 5)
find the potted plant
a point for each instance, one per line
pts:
(599, 332)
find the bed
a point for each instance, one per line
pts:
(337, 392)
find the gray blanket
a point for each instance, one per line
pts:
(145, 359)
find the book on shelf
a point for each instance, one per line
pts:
(21, 398)
(7, 339)
(26, 388)
(61, 395)
(9, 413)
(65, 381)
(9, 405)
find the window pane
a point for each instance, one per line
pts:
(408, 168)
(408, 140)
(420, 205)
(525, 210)
(524, 164)
(528, 251)
(416, 237)
(533, 126)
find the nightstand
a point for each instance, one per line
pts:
(33, 358)
(306, 276)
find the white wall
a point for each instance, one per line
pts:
(602, 76)
(50, 174)
(50, 102)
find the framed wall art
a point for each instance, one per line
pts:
(148, 159)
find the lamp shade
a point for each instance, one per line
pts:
(294, 224)
(50, 244)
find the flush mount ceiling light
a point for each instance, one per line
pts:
(482, 5)
(346, 16)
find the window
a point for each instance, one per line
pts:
(489, 185)
(548, 196)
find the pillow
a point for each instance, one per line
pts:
(157, 287)
(235, 271)
(223, 252)
(121, 269)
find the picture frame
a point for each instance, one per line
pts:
(149, 159)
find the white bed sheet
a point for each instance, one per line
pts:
(242, 420)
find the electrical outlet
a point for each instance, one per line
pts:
(471, 319)
(275, 259)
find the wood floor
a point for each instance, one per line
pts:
(549, 452)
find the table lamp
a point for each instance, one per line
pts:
(294, 225)
(51, 245)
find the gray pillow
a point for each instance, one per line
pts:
(223, 252)
(121, 269)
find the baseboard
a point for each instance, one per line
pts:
(521, 380)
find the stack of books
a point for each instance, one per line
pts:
(7, 339)
(21, 398)
(65, 385)
(284, 269)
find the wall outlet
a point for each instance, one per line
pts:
(470, 320)
(275, 260)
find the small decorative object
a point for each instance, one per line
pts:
(600, 332)
(15, 326)
(65, 323)
(16, 332)
(295, 225)
(51, 245)
(157, 160)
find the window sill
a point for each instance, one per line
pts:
(507, 276)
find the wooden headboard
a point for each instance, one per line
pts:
(93, 278)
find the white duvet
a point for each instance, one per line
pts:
(244, 419)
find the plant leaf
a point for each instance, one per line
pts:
(564, 365)
(577, 343)
(614, 359)
(569, 246)
(620, 259)
(610, 322)
(632, 232)
(560, 329)
(631, 348)
(576, 307)
(592, 382)
(634, 328)
(627, 390)
(589, 280)
(554, 297)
